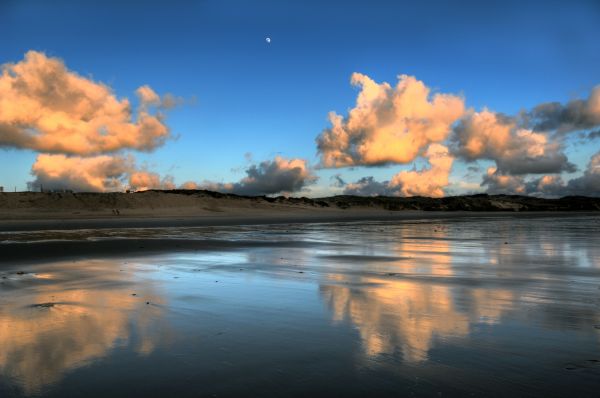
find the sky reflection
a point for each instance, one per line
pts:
(391, 297)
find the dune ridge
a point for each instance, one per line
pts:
(179, 203)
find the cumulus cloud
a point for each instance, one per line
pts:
(430, 181)
(388, 124)
(368, 186)
(189, 185)
(102, 173)
(498, 183)
(589, 183)
(93, 174)
(279, 175)
(516, 151)
(48, 108)
(575, 115)
(143, 180)
(395, 125)
(548, 185)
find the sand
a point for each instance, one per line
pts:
(34, 210)
(493, 305)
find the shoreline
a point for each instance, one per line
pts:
(56, 222)
(96, 244)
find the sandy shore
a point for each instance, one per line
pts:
(35, 210)
(52, 221)
(467, 304)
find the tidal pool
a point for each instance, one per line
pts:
(478, 306)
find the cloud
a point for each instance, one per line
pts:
(338, 181)
(189, 185)
(94, 174)
(592, 135)
(548, 185)
(368, 186)
(48, 108)
(102, 173)
(269, 177)
(388, 124)
(498, 183)
(589, 183)
(516, 151)
(575, 115)
(144, 180)
(429, 181)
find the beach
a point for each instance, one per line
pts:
(424, 304)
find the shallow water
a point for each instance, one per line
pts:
(483, 306)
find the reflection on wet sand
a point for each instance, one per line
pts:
(432, 301)
(432, 292)
(51, 326)
(405, 315)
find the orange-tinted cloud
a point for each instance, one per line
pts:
(388, 124)
(587, 184)
(516, 150)
(429, 181)
(142, 180)
(93, 174)
(498, 183)
(103, 173)
(48, 108)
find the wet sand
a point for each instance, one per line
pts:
(37, 222)
(490, 305)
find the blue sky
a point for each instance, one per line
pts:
(244, 95)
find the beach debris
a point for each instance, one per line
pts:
(300, 272)
(147, 302)
(587, 364)
(506, 243)
(134, 294)
(20, 272)
(44, 305)
(597, 326)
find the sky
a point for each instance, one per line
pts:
(428, 98)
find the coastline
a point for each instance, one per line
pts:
(51, 221)
(62, 239)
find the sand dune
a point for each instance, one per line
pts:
(202, 207)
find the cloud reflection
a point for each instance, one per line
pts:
(392, 313)
(52, 326)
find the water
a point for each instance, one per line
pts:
(480, 306)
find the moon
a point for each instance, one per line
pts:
(268, 40)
